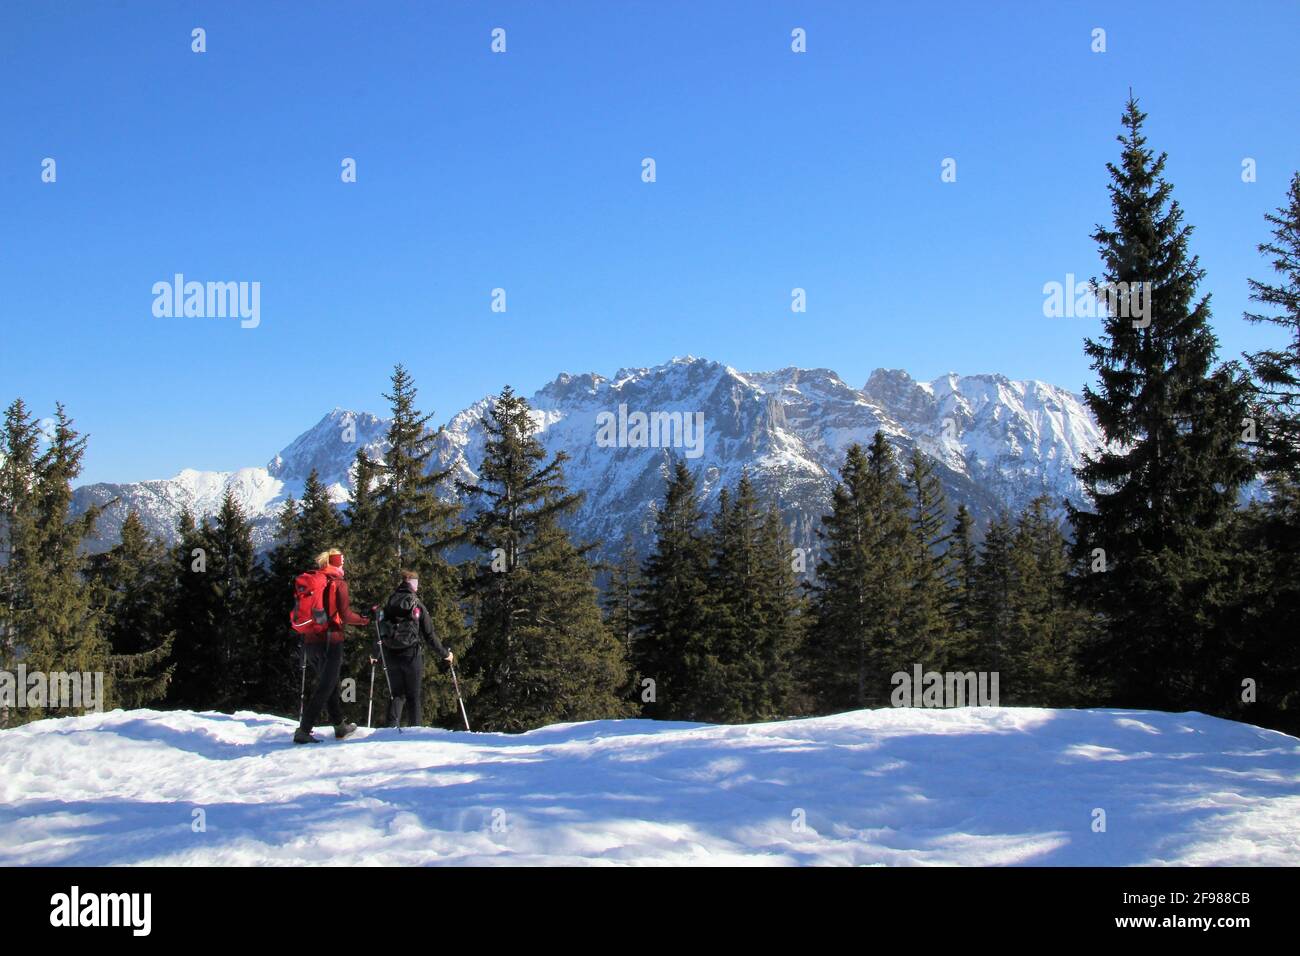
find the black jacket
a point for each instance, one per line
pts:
(394, 610)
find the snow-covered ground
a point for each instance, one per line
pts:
(969, 786)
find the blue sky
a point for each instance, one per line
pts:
(522, 171)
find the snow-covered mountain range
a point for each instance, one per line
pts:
(998, 443)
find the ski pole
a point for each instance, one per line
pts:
(456, 684)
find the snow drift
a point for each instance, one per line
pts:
(965, 786)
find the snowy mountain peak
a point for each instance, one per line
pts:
(998, 443)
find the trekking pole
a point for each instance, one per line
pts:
(302, 693)
(370, 709)
(379, 637)
(456, 684)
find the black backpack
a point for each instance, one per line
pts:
(402, 621)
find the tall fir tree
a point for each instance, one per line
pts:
(278, 683)
(963, 565)
(63, 624)
(673, 603)
(858, 637)
(620, 604)
(19, 558)
(994, 599)
(398, 521)
(927, 622)
(781, 623)
(193, 614)
(133, 589)
(48, 619)
(233, 585)
(1164, 485)
(1261, 641)
(1044, 626)
(541, 650)
(1276, 371)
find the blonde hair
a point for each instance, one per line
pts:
(323, 558)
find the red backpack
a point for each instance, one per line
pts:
(309, 615)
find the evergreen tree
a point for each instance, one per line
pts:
(927, 568)
(194, 650)
(397, 522)
(1260, 643)
(133, 585)
(745, 650)
(994, 601)
(963, 565)
(541, 651)
(1277, 370)
(48, 620)
(62, 625)
(673, 604)
(779, 637)
(1044, 626)
(620, 605)
(1164, 485)
(278, 684)
(240, 650)
(18, 541)
(858, 638)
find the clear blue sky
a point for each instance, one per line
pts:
(523, 171)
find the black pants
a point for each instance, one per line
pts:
(326, 662)
(405, 671)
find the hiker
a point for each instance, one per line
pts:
(324, 651)
(407, 626)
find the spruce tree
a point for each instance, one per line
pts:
(18, 541)
(781, 623)
(1164, 485)
(541, 650)
(858, 638)
(133, 589)
(397, 522)
(194, 613)
(673, 604)
(963, 564)
(620, 604)
(1277, 370)
(1044, 626)
(994, 601)
(927, 568)
(240, 650)
(277, 685)
(61, 623)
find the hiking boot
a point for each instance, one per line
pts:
(343, 729)
(301, 736)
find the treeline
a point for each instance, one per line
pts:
(1166, 593)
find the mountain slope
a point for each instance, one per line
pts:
(998, 443)
(998, 786)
